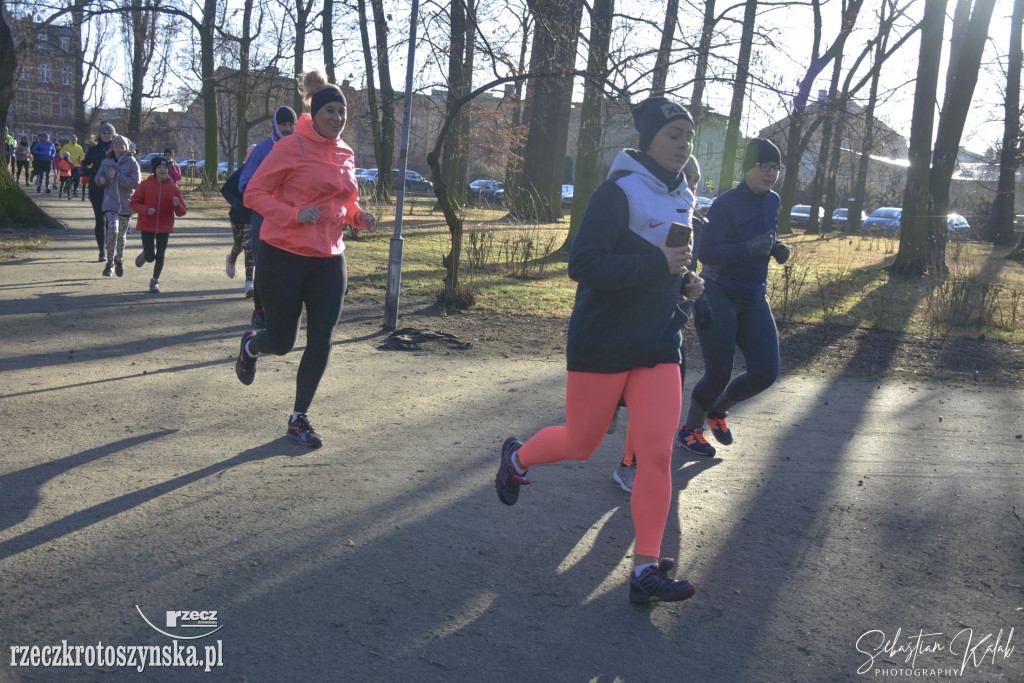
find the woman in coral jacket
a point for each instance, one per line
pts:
(306, 191)
(157, 201)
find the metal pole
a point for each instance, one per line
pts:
(395, 254)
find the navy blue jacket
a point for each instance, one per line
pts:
(737, 216)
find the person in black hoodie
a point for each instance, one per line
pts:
(241, 218)
(624, 335)
(94, 156)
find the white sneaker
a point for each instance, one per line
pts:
(229, 266)
(248, 289)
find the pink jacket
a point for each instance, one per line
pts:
(306, 169)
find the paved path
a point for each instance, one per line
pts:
(138, 477)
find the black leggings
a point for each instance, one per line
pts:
(100, 227)
(22, 166)
(288, 282)
(155, 252)
(748, 325)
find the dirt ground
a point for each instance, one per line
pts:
(866, 524)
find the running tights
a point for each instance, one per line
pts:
(153, 249)
(654, 397)
(289, 282)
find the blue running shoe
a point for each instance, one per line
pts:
(720, 428)
(303, 432)
(653, 585)
(693, 440)
(508, 481)
(624, 477)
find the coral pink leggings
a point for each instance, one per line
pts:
(654, 397)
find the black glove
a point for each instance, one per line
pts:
(702, 318)
(761, 245)
(780, 252)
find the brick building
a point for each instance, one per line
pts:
(43, 100)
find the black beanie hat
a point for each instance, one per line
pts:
(160, 161)
(285, 115)
(761, 151)
(328, 93)
(650, 115)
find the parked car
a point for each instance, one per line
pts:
(414, 182)
(704, 203)
(800, 215)
(959, 228)
(840, 217)
(486, 191)
(567, 191)
(146, 161)
(196, 169)
(884, 221)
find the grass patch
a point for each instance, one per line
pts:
(20, 240)
(511, 268)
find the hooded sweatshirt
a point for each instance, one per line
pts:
(626, 315)
(260, 152)
(306, 169)
(159, 195)
(117, 193)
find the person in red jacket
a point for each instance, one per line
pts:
(157, 200)
(306, 191)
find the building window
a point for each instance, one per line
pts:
(57, 109)
(65, 75)
(41, 37)
(33, 107)
(707, 149)
(44, 73)
(65, 43)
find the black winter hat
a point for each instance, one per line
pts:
(650, 115)
(285, 115)
(761, 151)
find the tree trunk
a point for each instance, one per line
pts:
(588, 147)
(302, 12)
(665, 49)
(211, 146)
(386, 155)
(829, 112)
(454, 143)
(327, 31)
(244, 80)
(701, 68)
(951, 127)
(912, 257)
(739, 93)
(371, 88)
(515, 146)
(552, 63)
(1001, 223)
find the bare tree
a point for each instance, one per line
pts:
(552, 66)
(588, 158)
(923, 233)
(739, 93)
(1001, 228)
(664, 50)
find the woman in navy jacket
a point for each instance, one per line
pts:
(738, 242)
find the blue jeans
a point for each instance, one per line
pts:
(748, 325)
